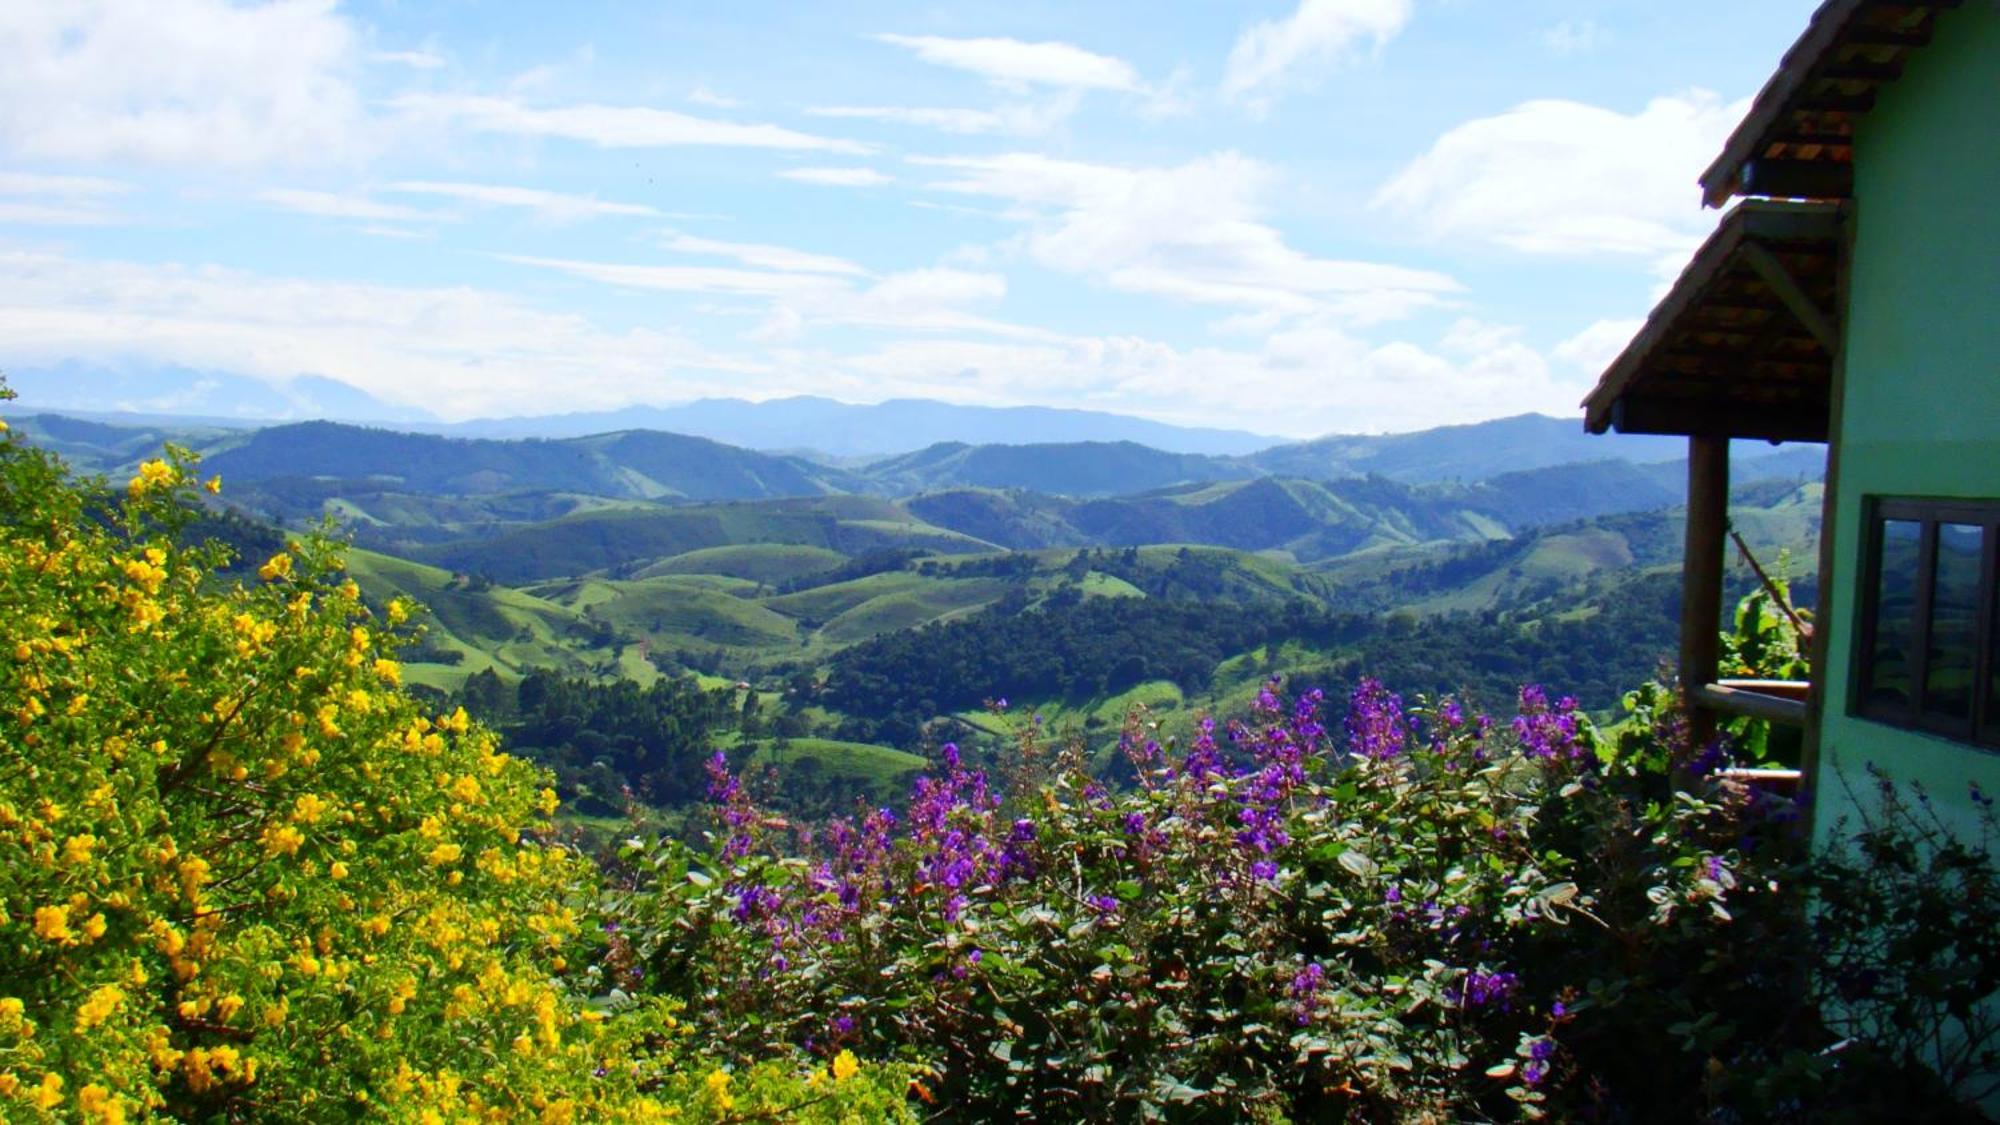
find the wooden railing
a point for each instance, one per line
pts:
(1775, 701)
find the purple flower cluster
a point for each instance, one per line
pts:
(1304, 992)
(1491, 990)
(1548, 732)
(726, 790)
(918, 900)
(1375, 725)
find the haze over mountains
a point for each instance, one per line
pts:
(535, 509)
(843, 432)
(638, 553)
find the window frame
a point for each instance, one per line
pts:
(1981, 729)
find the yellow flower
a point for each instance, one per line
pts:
(152, 475)
(93, 926)
(718, 1088)
(443, 854)
(228, 1006)
(338, 870)
(98, 1105)
(102, 1005)
(389, 671)
(48, 1095)
(52, 924)
(308, 808)
(76, 850)
(10, 1012)
(547, 801)
(144, 574)
(282, 839)
(278, 566)
(213, 484)
(845, 1066)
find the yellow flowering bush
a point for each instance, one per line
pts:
(244, 876)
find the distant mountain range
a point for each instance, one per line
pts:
(846, 430)
(184, 396)
(315, 462)
(843, 433)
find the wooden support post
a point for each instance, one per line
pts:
(1701, 575)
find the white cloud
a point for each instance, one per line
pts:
(557, 206)
(403, 234)
(781, 258)
(687, 279)
(1321, 33)
(1562, 177)
(460, 352)
(1014, 64)
(926, 300)
(836, 177)
(200, 82)
(29, 198)
(612, 126)
(1574, 37)
(702, 95)
(333, 205)
(1309, 380)
(416, 60)
(1020, 119)
(1592, 350)
(1190, 232)
(464, 352)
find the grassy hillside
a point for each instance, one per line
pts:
(640, 464)
(469, 630)
(771, 563)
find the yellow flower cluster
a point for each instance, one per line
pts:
(240, 868)
(153, 477)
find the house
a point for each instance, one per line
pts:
(1852, 296)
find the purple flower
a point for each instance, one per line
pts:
(1375, 726)
(1103, 904)
(1546, 732)
(1304, 991)
(1534, 1072)
(1484, 989)
(1264, 869)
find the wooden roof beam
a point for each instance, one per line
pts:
(1782, 283)
(1807, 421)
(1799, 179)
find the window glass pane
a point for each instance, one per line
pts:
(1993, 667)
(1954, 640)
(1890, 666)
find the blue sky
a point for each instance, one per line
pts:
(1291, 217)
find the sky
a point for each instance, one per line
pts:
(1295, 217)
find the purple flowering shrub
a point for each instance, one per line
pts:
(1418, 914)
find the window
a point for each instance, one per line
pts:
(1928, 652)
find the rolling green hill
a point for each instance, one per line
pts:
(639, 464)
